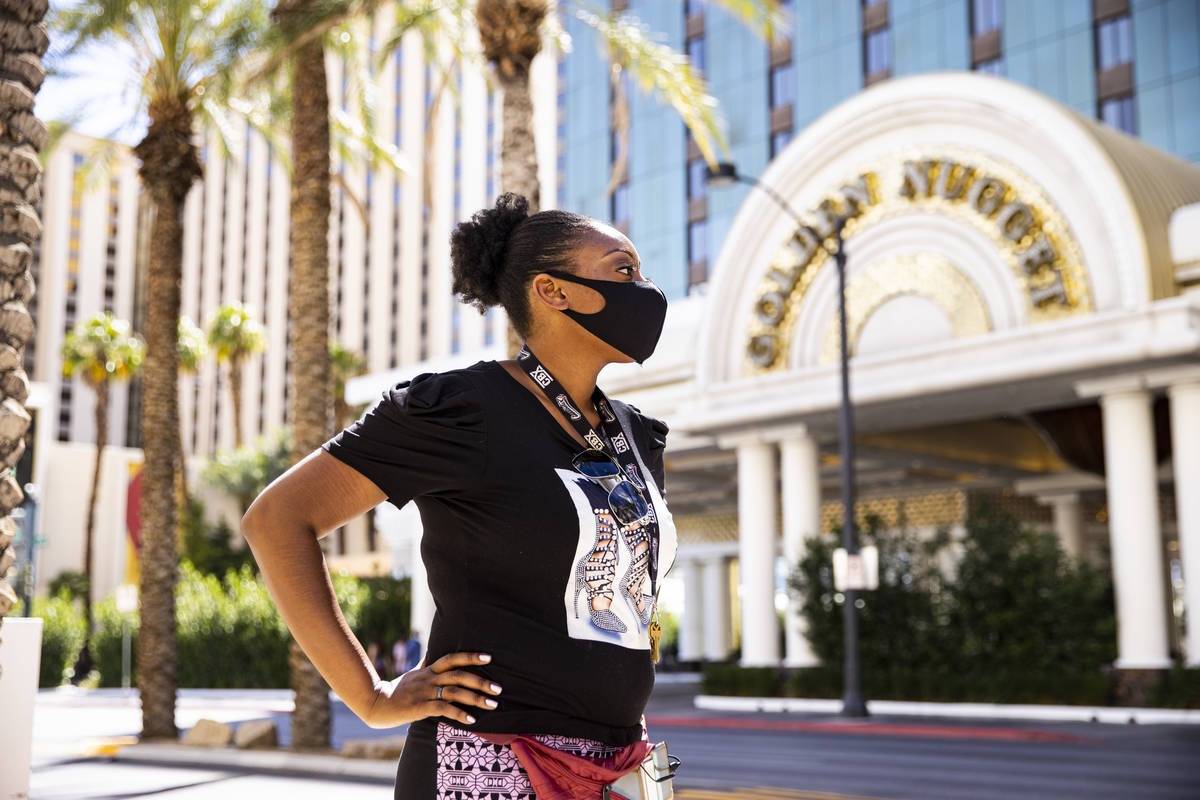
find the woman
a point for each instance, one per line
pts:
(545, 532)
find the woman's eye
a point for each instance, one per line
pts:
(626, 270)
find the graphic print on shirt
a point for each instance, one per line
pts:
(609, 596)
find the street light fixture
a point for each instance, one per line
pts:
(725, 174)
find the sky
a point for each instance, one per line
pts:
(97, 90)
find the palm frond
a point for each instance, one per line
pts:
(662, 71)
(766, 18)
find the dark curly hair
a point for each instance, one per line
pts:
(497, 252)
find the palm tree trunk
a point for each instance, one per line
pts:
(170, 164)
(311, 402)
(25, 41)
(235, 391)
(89, 533)
(518, 155)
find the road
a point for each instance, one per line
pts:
(749, 756)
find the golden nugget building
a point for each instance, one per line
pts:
(1018, 327)
(1024, 325)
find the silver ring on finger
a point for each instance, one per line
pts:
(439, 692)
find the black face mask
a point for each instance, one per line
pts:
(632, 318)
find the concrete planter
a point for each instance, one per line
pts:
(20, 655)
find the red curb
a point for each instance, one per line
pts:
(867, 728)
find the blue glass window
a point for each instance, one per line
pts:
(1114, 42)
(698, 241)
(779, 140)
(783, 86)
(1118, 112)
(986, 15)
(695, 52)
(993, 67)
(697, 169)
(620, 203)
(878, 51)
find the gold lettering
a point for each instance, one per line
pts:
(826, 215)
(763, 348)
(770, 308)
(916, 179)
(785, 278)
(803, 244)
(857, 196)
(1038, 255)
(951, 179)
(1055, 290)
(985, 195)
(1015, 220)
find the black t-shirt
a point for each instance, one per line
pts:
(510, 534)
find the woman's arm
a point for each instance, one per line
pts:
(313, 498)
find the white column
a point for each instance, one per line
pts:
(1185, 434)
(758, 503)
(691, 632)
(800, 462)
(717, 621)
(1134, 528)
(1068, 522)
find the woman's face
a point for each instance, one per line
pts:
(603, 254)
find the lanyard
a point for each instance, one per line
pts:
(614, 443)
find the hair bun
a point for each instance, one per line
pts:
(478, 246)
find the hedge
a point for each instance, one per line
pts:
(229, 633)
(1178, 688)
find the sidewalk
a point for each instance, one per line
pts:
(674, 706)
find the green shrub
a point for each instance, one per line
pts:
(228, 631)
(730, 679)
(1019, 621)
(107, 643)
(62, 635)
(72, 581)
(385, 611)
(1180, 688)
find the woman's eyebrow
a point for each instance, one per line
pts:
(623, 250)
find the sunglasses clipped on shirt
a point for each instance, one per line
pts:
(624, 499)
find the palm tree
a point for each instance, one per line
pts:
(511, 32)
(186, 52)
(192, 349)
(23, 41)
(100, 350)
(235, 335)
(514, 26)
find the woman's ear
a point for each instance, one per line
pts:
(549, 291)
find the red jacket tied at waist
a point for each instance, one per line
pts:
(556, 775)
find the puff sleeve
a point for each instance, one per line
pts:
(653, 442)
(424, 437)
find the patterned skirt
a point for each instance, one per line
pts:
(470, 768)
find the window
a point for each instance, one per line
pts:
(783, 86)
(697, 187)
(620, 203)
(878, 51)
(698, 241)
(1118, 112)
(695, 53)
(986, 15)
(1114, 42)
(779, 140)
(993, 67)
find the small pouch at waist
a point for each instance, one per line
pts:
(652, 780)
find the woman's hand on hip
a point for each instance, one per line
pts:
(432, 691)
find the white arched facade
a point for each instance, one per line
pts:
(967, 303)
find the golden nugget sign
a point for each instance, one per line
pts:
(1024, 226)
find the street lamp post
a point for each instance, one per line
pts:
(853, 704)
